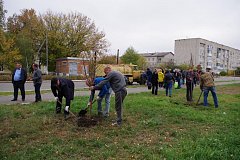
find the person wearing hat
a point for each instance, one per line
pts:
(206, 85)
(62, 87)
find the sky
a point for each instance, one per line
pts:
(149, 25)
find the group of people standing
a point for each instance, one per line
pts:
(19, 77)
(170, 78)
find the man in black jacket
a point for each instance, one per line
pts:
(19, 78)
(62, 87)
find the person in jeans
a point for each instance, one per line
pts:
(117, 83)
(37, 82)
(19, 78)
(155, 82)
(105, 92)
(168, 82)
(206, 85)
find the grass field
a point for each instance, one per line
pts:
(154, 127)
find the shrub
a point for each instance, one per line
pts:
(223, 73)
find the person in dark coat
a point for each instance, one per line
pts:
(149, 78)
(168, 82)
(178, 77)
(190, 84)
(62, 87)
(19, 77)
(155, 82)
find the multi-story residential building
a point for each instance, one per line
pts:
(157, 58)
(206, 53)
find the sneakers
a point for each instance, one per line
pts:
(14, 100)
(118, 123)
(106, 115)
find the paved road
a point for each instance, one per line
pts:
(50, 97)
(8, 87)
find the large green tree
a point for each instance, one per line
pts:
(28, 32)
(8, 52)
(72, 34)
(130, 56)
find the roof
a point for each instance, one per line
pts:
(72, 58)
(156, 54)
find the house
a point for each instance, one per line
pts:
(72, 66)
(157, 58)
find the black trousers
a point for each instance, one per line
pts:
(19, 85)
(189, 94)
(37, 87)
(155, 89)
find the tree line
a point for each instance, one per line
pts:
(24, 36)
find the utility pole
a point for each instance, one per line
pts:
(117, 56)
(47, 53)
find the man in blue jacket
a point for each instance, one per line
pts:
(105, 91)
(19, 78)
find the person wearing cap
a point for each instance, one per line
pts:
(62, 87)
(206, 85)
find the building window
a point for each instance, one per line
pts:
(64, 63)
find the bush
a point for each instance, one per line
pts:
(223, 73)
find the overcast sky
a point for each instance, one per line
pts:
(150, 25)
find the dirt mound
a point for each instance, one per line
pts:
(88, 121)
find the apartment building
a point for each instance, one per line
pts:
(210, 54)
(157, 58)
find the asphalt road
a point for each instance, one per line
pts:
(80, 85)
(8, 87)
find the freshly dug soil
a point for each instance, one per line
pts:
(88, 121)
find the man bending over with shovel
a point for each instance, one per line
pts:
(105, 92)
(62, 87)
(117, 83)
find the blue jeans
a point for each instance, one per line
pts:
(107, 103)
(169, 89)
(213, 91)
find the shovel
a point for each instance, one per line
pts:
(199, 97)
(84, 111)
(68, 110)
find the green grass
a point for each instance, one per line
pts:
(154, 127)
(32, 92)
